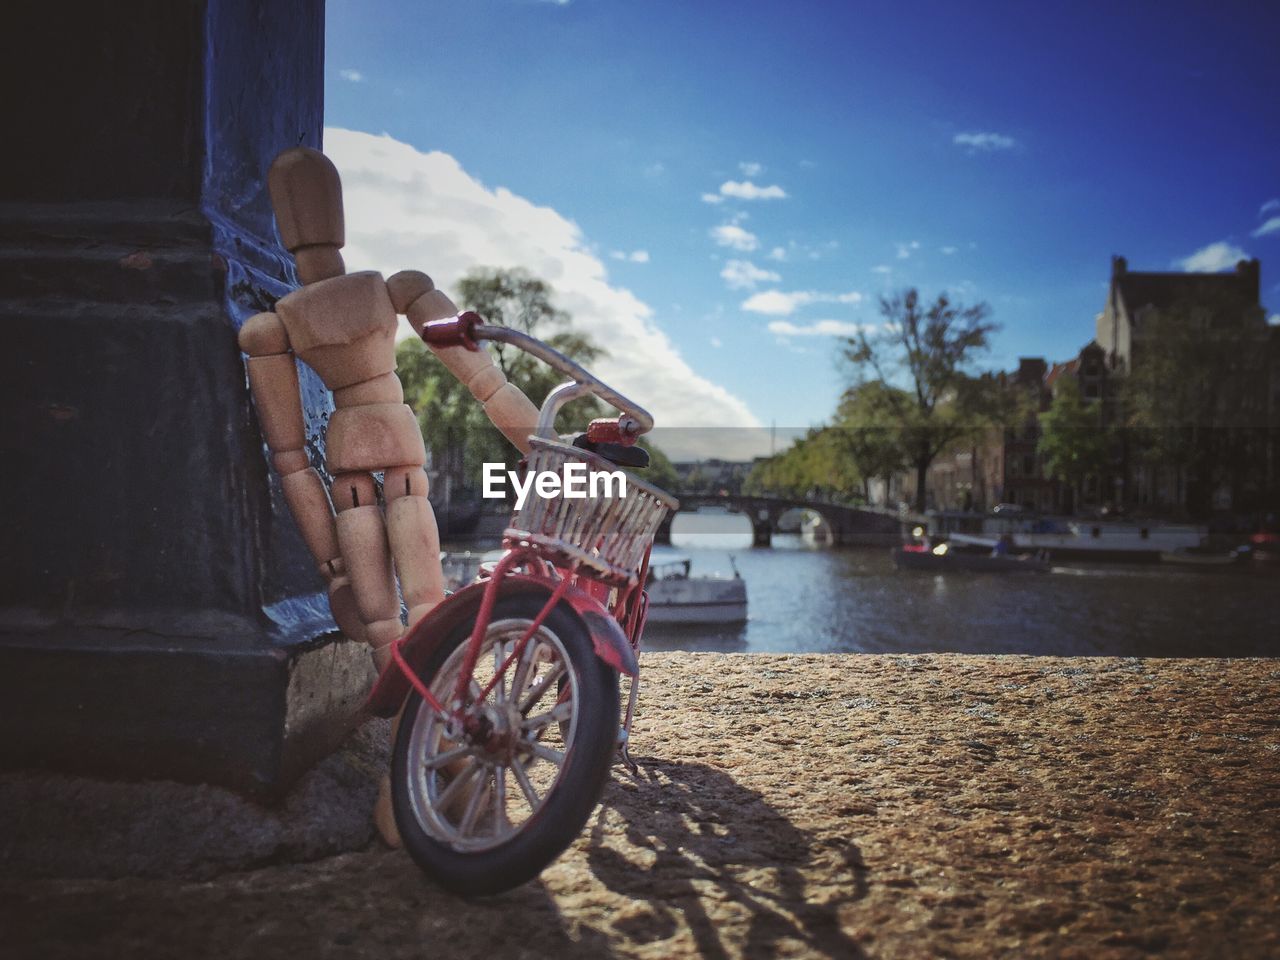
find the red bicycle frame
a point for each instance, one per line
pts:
(605, 591)
(580, 590)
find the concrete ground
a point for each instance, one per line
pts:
(793, 806)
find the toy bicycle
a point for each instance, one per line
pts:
(508, 690)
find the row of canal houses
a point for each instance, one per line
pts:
(1005, 467)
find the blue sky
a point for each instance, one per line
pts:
(1001, 152)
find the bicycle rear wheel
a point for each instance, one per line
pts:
(488, 811)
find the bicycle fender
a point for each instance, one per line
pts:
(607, 638)
(392, 686)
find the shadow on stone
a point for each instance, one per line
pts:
(711, 848)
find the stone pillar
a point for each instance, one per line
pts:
(159, 615)
(762, 528)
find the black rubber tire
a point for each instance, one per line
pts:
(566, 808)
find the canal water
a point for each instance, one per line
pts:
(808, 599)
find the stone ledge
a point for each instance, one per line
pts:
(72, 827)
(828, 806)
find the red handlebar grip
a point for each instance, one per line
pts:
(453, 332)
(608, 431)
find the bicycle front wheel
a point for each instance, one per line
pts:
(487, 809)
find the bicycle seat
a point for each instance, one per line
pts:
(635, 457)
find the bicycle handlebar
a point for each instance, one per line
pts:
(468, 328)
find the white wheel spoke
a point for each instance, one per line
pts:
(500, 688)
(560, 713)
(522, 777)
(540, 687)
(475, 803)
(455, 787)
(500, 821)
(440, 759)
(521, 676)
(546, 753)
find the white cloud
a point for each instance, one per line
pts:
(779, 303)
(733, 236)
(655, 170)
(411, 210)
(746, 190)
(717, 342)
(1216, 256)
(818, 328)
(777, 253)
(744, 275)
(1273, 204)
(906, 249)
(635, 256)
(1271, 226)
(750, 168)
(947, 250)
(355, 76)
(776, 303)
(882, 269)
(712, 198)
(984, 142)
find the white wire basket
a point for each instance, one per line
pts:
(607, 534)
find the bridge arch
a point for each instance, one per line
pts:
(823, 531)
(691, 505)
(848, 524)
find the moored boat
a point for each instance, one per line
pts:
(1078, 540)
(675, 596)
(1265, 547)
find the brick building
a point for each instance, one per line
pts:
(1006, 467)
(1215, 302)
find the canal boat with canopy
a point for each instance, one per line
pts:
(676, 596)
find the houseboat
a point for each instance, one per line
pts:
(1068, 539)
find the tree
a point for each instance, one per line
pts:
(1196, 395)
(454, 426)
(1072, 441)
(866, 434)
(661, 472)
(922, 356)
(817, 463)
(516, 299)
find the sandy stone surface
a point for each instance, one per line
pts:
(828, 806)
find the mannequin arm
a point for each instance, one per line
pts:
(414, 295)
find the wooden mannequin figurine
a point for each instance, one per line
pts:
(344, 327)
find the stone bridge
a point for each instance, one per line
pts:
(849, 525)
